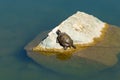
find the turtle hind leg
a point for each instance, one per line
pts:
(74, 46)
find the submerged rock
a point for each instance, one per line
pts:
(99, 46)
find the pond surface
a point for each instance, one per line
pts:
(22, 20)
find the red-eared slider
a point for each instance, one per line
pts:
(64, 40)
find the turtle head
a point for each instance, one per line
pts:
(58, 32)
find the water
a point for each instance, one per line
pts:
(22, 20)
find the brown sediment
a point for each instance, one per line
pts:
(65, 54)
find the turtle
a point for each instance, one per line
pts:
(64, 40)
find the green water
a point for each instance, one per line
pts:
(22, 20)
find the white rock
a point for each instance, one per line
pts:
(81, 27)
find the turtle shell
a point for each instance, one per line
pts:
(64, 40)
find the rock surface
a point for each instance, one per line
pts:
(81, 27)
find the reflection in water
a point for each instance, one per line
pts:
(86, 61)
(63, 56)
